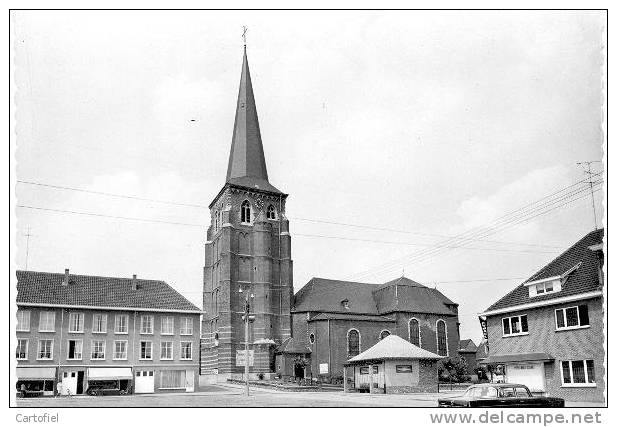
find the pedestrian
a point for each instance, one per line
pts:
(59, 389)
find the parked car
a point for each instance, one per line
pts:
(107, 387)
(500, 396)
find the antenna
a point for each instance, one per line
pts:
(28, 235)
(587, 170)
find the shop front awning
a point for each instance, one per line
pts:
(37, 373)
(518, 357)
(110, 374)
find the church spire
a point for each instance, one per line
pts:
(246, 158)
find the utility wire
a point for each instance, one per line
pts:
(480, 231)
(421, 255)
(168, 202)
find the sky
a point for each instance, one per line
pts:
(415, 125)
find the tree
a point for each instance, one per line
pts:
(453, 369)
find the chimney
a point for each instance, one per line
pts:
(65, 282)
(134, 282)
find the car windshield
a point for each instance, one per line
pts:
(514, 392)
(481, 392)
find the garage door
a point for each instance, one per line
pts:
(529, 374)
(144, 381)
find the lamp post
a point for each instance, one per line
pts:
(247, 318)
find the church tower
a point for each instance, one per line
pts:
(248, 252)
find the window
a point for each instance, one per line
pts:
(544, 288)
(98, 350)
(578, 373)
(173, 379)
(403, 369)
(99, 323)
(22, 350)
(186, 350)
(47, 321)
(245, 212)
(146, 350)
(384, 334)
(146, 324)
(516, 325)
(186, 326)
(442, 338)
(414, 332)
(75, 349)
(572, 317)
(167, 350)
(76, 322)
(167, 325)
(364, 370)
(120, 350)
(46, 350)
(216, 220)
(353, 343)
(121, 324)
(271, 213)
(23, 320)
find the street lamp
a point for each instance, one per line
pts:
(247, 318)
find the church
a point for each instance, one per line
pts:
(248, 264)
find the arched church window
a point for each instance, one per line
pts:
(216, 221)
(271, 213)
(414, 332)
(384, 334)
(245, 212)
(353, 343)
(442, 338)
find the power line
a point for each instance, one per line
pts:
(149, 220)
(427, 254)
(416, 244)
(482, 231)
(321, 221)
(92, 214)
(102, 193)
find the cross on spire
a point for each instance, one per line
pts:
(244, 30)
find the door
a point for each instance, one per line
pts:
(80, 382)
(529, 374)
(144, 382)
(190, 381)
(69, 383)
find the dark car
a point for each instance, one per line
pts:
(107, 387)
(500, 396)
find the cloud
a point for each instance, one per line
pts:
(479, 211)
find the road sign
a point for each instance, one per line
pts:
(240, 359)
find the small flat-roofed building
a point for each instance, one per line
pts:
(393, 365)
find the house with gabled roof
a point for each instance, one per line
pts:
(79, 334)
(337, 320)
(548, 332)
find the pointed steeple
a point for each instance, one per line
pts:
(246, 158)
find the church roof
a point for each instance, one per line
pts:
(353, 298)
(247, 163)
(393, 347)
